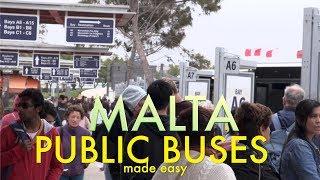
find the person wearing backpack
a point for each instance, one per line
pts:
(18, 152)
(285, 118)
(301, 157)
(282, 123)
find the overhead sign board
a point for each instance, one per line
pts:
(90, 30)
(231, 65)
(18, 27)
(239, 89)
(68, 78)
(87, 79)
(88, 82)
(91, 73)
(88, 62)
(46, 76)
(8, 58)
(71, 82)
(60, 72)
(31, 71)
(46, 60)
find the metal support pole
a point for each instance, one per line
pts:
(310, 70)
(218, 74)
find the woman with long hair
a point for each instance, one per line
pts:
(301, 157)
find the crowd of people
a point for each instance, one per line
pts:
(292, 134)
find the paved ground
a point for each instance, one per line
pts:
(93, 173)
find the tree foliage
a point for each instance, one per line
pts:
(173, 70)
(104, 72)
(197, 60)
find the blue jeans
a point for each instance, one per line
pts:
(77, 177)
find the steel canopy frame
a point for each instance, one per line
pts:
(58, 11)
(310, 70)
(39, 47)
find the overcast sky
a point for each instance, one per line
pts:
(240, 24)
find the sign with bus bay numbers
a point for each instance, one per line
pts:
(8, 58)
(239, 89)
(68, 78)
(231, 65)
(60, 72)
(89, 30)
(31, 71)
(87, 62)
(87, 79)
(88, 73)
(46, 60)
(46, 76)
(18, 27)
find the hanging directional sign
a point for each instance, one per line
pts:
(88, 62)
(87, 79)
(88, 82)
(89, 30)
(31, 71)
(88, 73)
(8, 58)
(46, 60)
(18, 27)
(71, 82)
(68, 78)
(46, 76)
(60, 72)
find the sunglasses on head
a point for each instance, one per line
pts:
(25, 105)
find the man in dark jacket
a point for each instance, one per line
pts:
(61, 110)
(286, 117)
(133, 98)
(160, 92)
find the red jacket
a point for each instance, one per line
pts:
(20, 164)
(10, 119)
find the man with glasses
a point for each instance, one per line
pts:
(18, 152)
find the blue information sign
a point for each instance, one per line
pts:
(87, 79)
(91, 73)
(88, 62)
(88, 82)
(68, 78)
(31, 71)
(46, 76)
(92, 30)
(8, 59)
(46, 60)
(71, 82)
(18, 27)
(60, 72)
